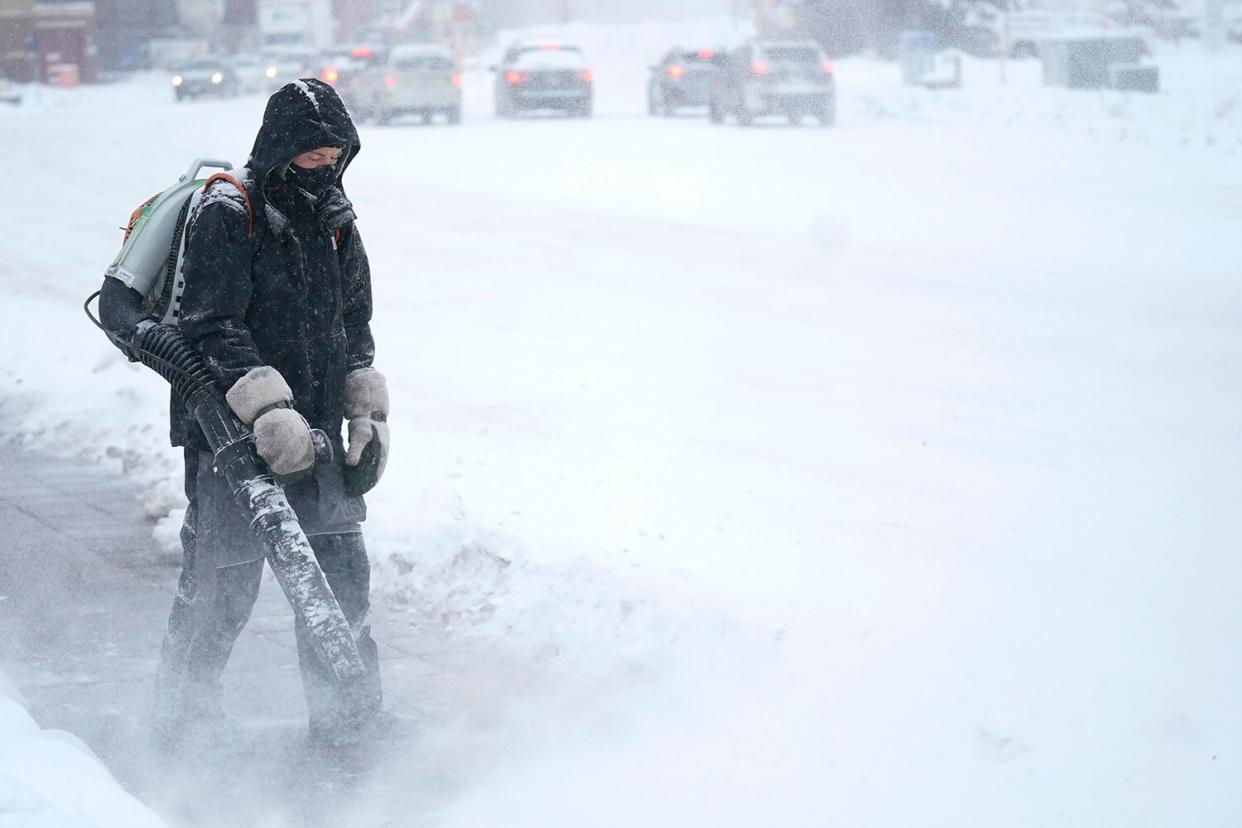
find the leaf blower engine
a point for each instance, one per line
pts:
(138, 309)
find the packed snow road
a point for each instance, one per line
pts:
(907, 450)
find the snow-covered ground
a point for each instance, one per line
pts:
(50, 779)
(879, 475)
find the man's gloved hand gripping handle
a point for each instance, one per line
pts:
(262, 400)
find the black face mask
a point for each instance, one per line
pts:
(315, 181)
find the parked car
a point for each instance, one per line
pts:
(764, 77)
(249, 70)
(280, 67)
(544, 75)
(206, 76)
(344, 67)
(683, 78)
(417, 79)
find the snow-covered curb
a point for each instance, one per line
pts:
(1200, 105)
(50, 778)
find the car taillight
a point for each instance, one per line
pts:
(825, 66)
(331, 75)
(512, 77)
(706, 54)
(676, 70)
(759, 66)
(457, 79)
(586, 75)
(390, 82)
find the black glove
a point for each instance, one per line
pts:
(334, 210)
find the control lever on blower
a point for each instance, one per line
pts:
(323, 446)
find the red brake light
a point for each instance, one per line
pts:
(826, 66)
(676, 70)
(331, 75)
(586, 75)
(549, 47)
(512, 77)
(362, 52)
(706, 54)
(457, 79)
(759, 66)
(390, 82)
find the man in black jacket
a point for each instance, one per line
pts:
(277, 298)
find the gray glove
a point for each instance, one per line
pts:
(366, 406)
(262, 400)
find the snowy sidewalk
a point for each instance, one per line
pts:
(84, 595)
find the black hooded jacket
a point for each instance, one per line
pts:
(274, 276)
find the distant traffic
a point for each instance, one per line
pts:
(789, 79)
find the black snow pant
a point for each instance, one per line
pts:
(214, 602)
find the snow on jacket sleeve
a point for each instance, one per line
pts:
(218, 287)
(356, 276)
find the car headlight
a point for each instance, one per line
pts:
(217, 78)
(177, 80)
(270, 71)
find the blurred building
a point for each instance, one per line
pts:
(124, 27)
(239, 26)
(48, 41)
(431, 21)
(516, 13)
(198, 18)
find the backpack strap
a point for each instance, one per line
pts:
(222, 176)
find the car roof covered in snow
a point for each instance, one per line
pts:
(549, 43)
(784, 44)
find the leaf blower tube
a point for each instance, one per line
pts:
(163, 348)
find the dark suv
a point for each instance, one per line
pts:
(767, 77)
(683, 78)
(543, 75)
(209, 76)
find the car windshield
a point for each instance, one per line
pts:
(288, 59)
(792, 54)
(564, 57)
(423, 62)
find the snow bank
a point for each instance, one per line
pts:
(112, 416)
(595, 617)
(51, 779)
(1199, 105)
